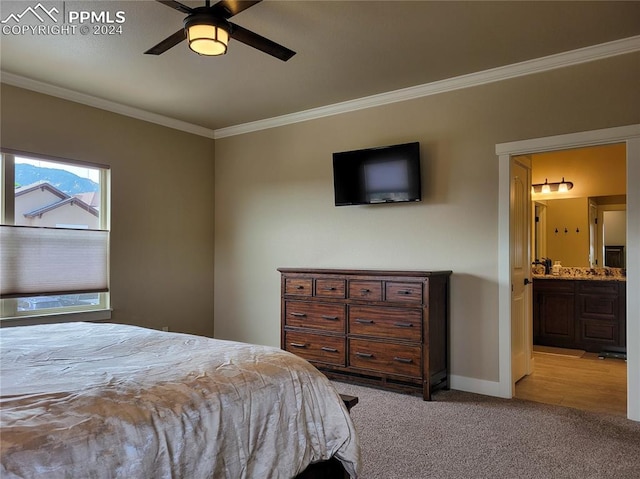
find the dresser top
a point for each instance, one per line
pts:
(364, 272)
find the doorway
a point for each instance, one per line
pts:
(575, 235)
(630, 135)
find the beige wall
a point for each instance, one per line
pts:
(568, 231)
(161, 209)
(594, 171)
(274, 197)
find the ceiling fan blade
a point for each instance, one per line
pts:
(229, 8)
(167, 43)
(176, 6)
(261, 43)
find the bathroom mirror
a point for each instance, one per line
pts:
(581, 232)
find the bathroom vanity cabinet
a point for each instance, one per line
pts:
(579, 314)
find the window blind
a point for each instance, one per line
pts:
(44, 261)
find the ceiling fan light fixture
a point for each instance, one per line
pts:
(206, 35)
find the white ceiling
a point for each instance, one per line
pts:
(345, 50)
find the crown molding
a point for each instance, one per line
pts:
(101, 103)
(529, 67)
(552, 62)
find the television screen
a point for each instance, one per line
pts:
(388, 174)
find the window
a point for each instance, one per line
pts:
(54, 234)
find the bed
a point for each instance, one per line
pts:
(102, 400)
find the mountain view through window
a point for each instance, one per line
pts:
(57, 195)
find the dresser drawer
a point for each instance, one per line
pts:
(316, 347)
(384, 322)
(403, 292)
(386, 357)
(330, 288)
(367, 290)
(323, 316)
(298, 286)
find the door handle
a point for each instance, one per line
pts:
(527, 281)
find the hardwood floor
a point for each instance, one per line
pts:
(579, 380)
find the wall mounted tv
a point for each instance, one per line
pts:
(388, 174)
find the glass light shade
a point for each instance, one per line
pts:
(208, 40)
(546, 188)
(564, 186)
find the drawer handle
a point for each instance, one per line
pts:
(330, 318)
(404, 325)
(329, 350)
(364, 321)
(364, 355)
(330, 289)
(298, 345)
(299, 287)
(299, 315)
(365, 291)
(405, 291)
(403, 360)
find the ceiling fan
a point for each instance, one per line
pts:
(208, 30)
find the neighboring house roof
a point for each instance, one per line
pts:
(42, 185)
(65, 199)
(72, 201)
(92, 198)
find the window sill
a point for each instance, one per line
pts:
(67, 317)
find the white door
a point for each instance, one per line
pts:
(520, 252)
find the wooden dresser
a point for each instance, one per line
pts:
(387, 328)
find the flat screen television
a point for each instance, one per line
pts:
(388, 174)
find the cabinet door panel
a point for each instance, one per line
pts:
(598, 306)
(604, 332)
(555, 319)
(598, 287)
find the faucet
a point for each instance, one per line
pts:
(546, 262)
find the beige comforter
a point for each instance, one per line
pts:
(82, 400)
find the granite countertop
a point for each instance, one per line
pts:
(580, 278)
(573, 273)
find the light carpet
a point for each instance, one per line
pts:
(464, 435)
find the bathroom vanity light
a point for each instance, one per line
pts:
(546, 187)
